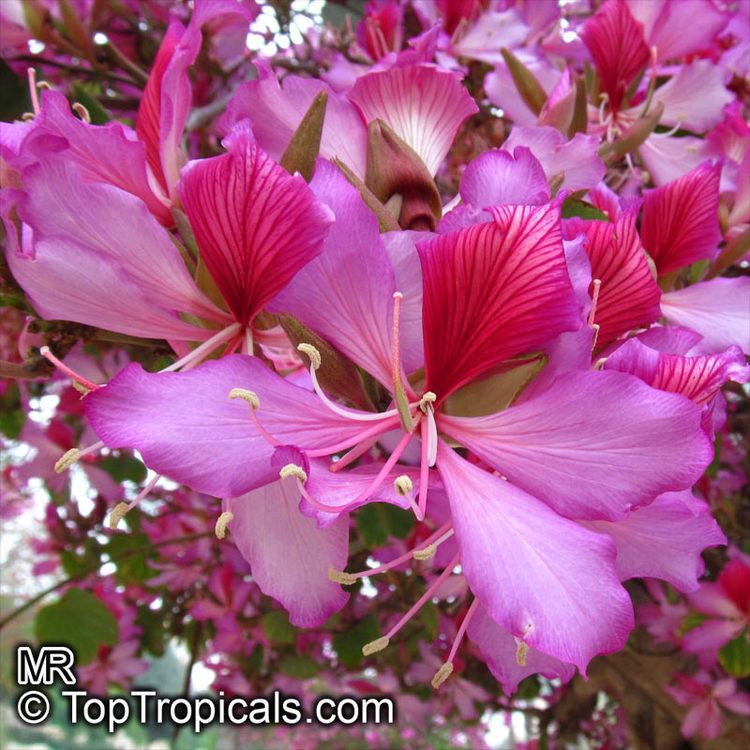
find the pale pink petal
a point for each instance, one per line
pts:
(667, 158)
(717, 309)
(704, 718)
(663, 540)
(712, 600)
(289, 555)
(708, 638)
(423, 104)
(738, 704)
(499, 648)
(255, 224)
(593, 446)
(670, 339)
(540, 576)
(491, 32)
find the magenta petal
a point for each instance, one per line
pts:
(493, 291)
(499, 648)
(255, 224)
(497, 177)
(186, 427)
(289, 555)
(717, 309)
(541, 577)
(664, 540)
(594, 445)
(346, 293)
(424, 105)
(681, 219)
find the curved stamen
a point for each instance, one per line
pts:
(424, 473)
(74, 376)
(254, 402)
(224, 519)
(353, 454)
(597, 284)
(31, 73)
(74, 455)
(447, 669)
(201, 352)
(377, 429)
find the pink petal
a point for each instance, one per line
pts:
(594, 445)
(255, 224)
(215, 448)
(493, 291)
(697, 378)
(498, 648)
(540, 576)
(352, 278)
(577, 160)
(717, 309)
(703, 718)
(738, 704)
(680, 222)
(663, 540)
(616, 42)
(708, 638)
(712, 600)
(492, 31)
(423, 104)
(289, 555)
(670, 339)
(497, 177)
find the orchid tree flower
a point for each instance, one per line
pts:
(493, 294)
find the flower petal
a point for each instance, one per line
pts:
(594, 445)
(255, 224)
(541, 577)
(493, 291)
(681, 219)
(424, 105)
(289, 555)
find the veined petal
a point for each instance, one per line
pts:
(499, 648)
(186, 427)
(667, 158)
(629, 295)
(346, 293)
(717, 309)
(593, 446)
(681, 219)
(255, 224)
(424, 105)
(493, 291)
(616, 42)
(498, 177)
(541, 577)
(664, 540)
(289, 555)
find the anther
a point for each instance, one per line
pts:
(522, 651)
(67, 460)
(245, 395)
(341, 576)
(442, 674)
(374, 646)
(221, 524)
(82, 112)
(117, 514)
(426, 553)
(292, 470)
(427, 398)
(403, 485)
(312, 353)
(81, 388)
(28, 116)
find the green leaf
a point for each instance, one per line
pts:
(691, 621)
(399, 522)
(154, 635)
(528, 689)
(298, 666)
(78, 620)
(429, 617)
(11, 423)
(348, 645)
(303, 148)
(371, 524)
(583, 210)
(123, 467)
(132, 564)
(277, 628)
(734, 657)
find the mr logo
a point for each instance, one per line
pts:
(42, 667)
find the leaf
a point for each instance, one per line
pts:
(429, 616)
(277, 628)
(303, 148)
(582, 210)
(528, 86)
(734, 657)
(298, 666)
(132, 564)
(153, 635)
(123, 467)
(398, 521)
(78, 620)
(691, 621)
(348, 644)
(377, 521)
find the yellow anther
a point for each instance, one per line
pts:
(312, 353)
(27, 116)
(82, 112)
(599, 365)
(292, 470)
(221, 524)
(425, 554)
(442, 674)
(403, 485)
(522, 651)
(427, 398)
(245, 395)
(80, 388)
(374, 646)
(67, 460)
(117, 514)
(341, 576)
(43, 85)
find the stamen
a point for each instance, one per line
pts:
(599, 364)
(221, 524)
(427, 398)
(522, 650)
(74, 455)
(201, 352)
(432, 436)
(341, 576)
(597, 284)
(375, 430)
(374, 646)
(353, 454)
(447, 669)
(403, 485)
(312, 353)
(425, 554)
(117, 514)
(85, 382)
(82, 112)
(404, 409)
(424, 474)
(442, 674)
(144, 492)
(250, 396)
(248, 343)
(596, 328)
(33, 90)
(292, 470)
